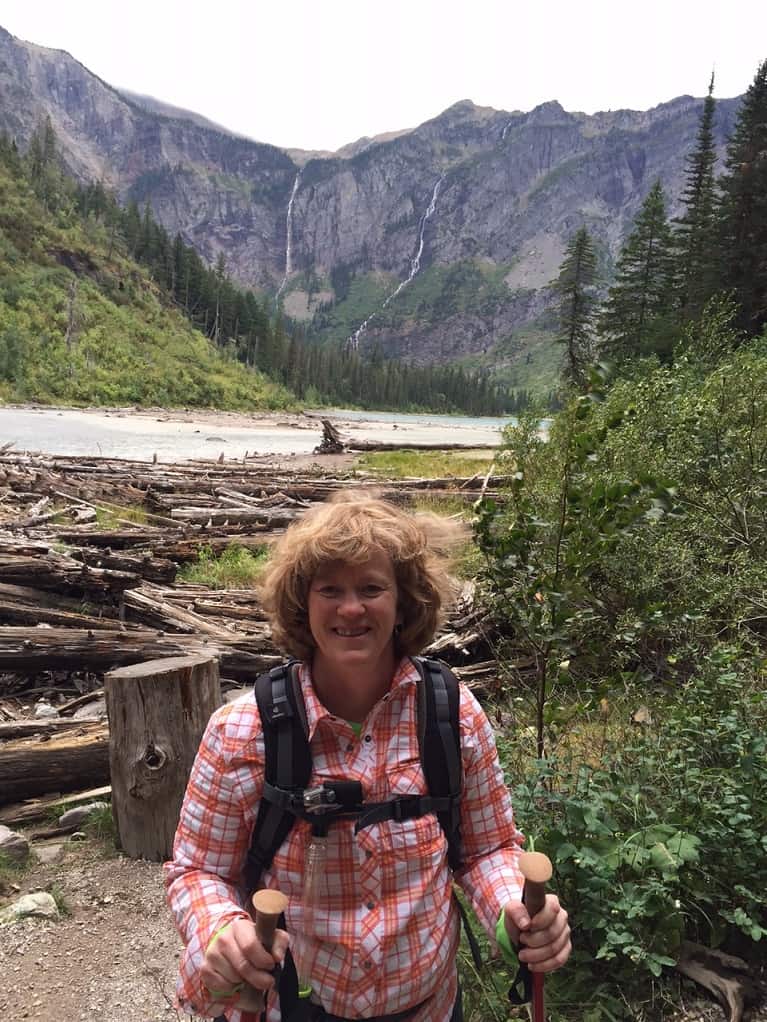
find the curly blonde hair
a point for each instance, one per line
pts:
(349, 528)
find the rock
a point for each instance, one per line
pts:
(44, 710)
(49, 853)
(97, 710)
(14, 846)
(40, 904)
(77, 816)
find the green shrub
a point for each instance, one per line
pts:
(235, 567)
(666, 838)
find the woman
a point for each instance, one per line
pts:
(353, 590)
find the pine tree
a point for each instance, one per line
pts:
(637, 316)
(695, 236)
(574, 285)
(743, 224)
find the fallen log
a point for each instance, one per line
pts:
(20, 813)
(234, 516)
(149, 610)
(725, 976)
(31, 650)
(12, 613)
(59, 572)
(29, 766)
(375, 445)
(37, 728)
(154, 569)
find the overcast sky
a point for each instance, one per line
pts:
(316, 74)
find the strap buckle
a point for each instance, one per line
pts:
(320, 799)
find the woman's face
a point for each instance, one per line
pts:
(353, 612)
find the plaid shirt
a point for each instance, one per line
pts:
(385, 928)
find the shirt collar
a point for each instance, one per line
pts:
(406, 673)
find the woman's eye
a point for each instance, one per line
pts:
(372, 590)
(327, 591)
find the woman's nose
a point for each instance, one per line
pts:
(351, 603)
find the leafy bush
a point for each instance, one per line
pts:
(665, 839)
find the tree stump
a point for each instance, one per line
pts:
(157, 715)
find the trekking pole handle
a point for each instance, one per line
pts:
(536, 868)
(268, 906)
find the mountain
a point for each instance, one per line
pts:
(476, 205)
(83, 323)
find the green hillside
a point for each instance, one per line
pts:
(82, 323)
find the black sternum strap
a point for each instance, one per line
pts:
(406, 808)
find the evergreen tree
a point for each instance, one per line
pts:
(574, 285)
(637, 316)
(695, 236)
(743, 223)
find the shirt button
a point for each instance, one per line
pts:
(368, 738)
(350, 747)
(366, 964)
(370, 906)
(368, 854)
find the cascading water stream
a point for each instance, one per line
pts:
(415, 265)
(289, 239)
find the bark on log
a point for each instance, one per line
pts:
(20, 813)
(725, 976)
(31, 650)
(12, 613)
(56, 572)
(157, 715)
(76, 759)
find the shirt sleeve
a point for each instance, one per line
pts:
(208, 853)
(490, 841)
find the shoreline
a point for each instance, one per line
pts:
(182, 434)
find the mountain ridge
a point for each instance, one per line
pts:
(335, 236)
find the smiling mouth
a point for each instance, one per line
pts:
(350, 633)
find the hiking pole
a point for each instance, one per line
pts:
(268, 906)
(536, 869)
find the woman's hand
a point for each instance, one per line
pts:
(236, 957)
(544, 940)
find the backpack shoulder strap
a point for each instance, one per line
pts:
(287, 762)
(439, 743)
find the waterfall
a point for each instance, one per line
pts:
(289, 239)
(506, 128)
(415, 265)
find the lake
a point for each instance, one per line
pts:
(179, 436)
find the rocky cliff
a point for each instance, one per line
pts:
(473, 208)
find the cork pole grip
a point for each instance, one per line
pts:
(536, 869)
(268, 906)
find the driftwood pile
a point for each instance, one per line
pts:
(87, 585)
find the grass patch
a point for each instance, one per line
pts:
(56, 891)
(115, 517)
(236, 567)
(101, 825)
(11, 870)
(425, 464)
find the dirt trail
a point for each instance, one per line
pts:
(113, 959)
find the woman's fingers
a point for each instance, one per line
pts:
(238, 956)
(547, 956)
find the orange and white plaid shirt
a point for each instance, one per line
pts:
(385, 927)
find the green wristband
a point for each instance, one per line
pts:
(224, 994)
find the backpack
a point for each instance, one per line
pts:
(288, 767)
